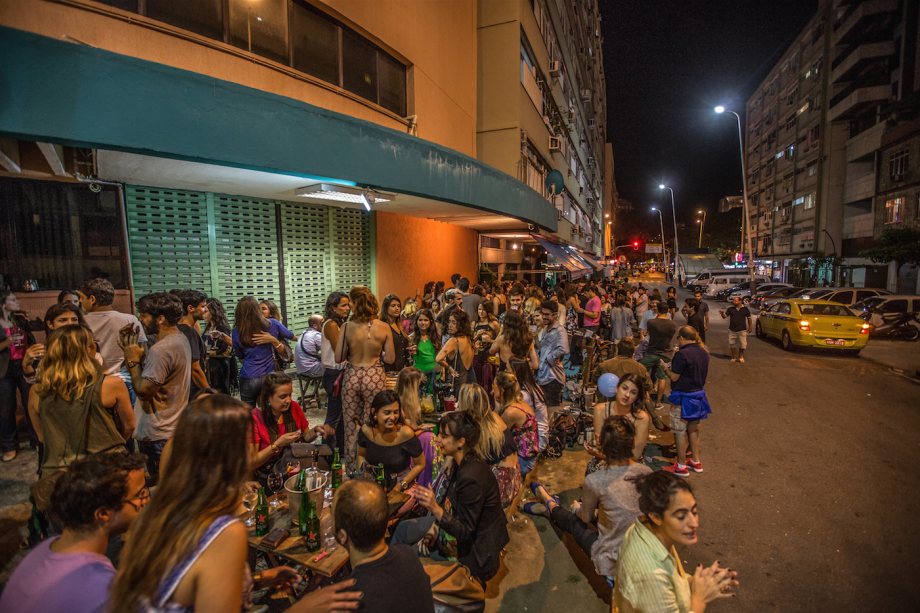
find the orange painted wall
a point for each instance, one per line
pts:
(411, 251)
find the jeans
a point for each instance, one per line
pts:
(14, 380)
(411, 531)
(553, 393)
(250, 390)
(567, 521)
(334, 406)
(153, 450)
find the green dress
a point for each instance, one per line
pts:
(425, 356)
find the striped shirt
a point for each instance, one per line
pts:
(649, 578)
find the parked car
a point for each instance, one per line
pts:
(773, 295)
(852, 295)
(768, 302)
(723, 282)
(744, 290)
(813, 323)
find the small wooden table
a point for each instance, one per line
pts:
(294, 548)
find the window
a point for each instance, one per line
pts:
(790, 151)
(260, 27)
(816, 67)
(812, 168)
(897, 164)
(894, 210)
(798, 200)
(790, 123)
(315, 44)
(787, 182)
(809, 201)
(792, 96)
(203, 17)
(359, 66)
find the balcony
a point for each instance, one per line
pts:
(857, 18)
(848, 65)
(848, 103)
(861, 188)
(865, 144)
(859, 226)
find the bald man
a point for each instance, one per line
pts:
(307, 354)
(390, 577)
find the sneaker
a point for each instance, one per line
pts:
(741, 360)
(677, 470)
(696, 467)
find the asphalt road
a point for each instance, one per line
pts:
(809, 489)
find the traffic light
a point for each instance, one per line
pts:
(635, 244)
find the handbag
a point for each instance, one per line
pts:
(42, 489)
(453, 585)
(337, 385)
(281, 364)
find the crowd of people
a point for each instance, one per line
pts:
(139, 431)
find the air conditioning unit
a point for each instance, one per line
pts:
(592, 123)
(575, 230)
(558, 215)
(897, 177)
(555, 143)
(586, 95)
(555, 68)
(589, 239)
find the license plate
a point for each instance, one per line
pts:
(831, 341)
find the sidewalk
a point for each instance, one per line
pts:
(900, 355)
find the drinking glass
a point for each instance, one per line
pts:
(250, 497)
(275, 482)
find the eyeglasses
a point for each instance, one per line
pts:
(142, 498)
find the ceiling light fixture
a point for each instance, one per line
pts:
(344, 193)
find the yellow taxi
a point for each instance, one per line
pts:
(813, 323)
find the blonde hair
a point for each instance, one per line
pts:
(68, 368)
(410, 309)
(510, 389)
(407, 389)
(473, 399)
(202, 482)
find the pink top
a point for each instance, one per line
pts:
(594, 305)
(19, 343)
(260, 430)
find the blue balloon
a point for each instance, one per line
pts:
(607, 384)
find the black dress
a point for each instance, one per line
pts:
(400, 344)
(395, 458)
(221, 371)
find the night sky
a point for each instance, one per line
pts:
(667, 64)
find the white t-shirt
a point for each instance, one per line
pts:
(105, 326)
(169, 364)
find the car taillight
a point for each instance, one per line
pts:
(803, 325)
(865, 329)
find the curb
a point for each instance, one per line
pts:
(913, 375)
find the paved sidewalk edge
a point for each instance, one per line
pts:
(912, 375)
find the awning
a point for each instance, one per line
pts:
(567, 258)
(591, 261)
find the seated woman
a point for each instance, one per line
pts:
(496, 442)
(475, 517)
(649, 575)
(605, 492)
(627, 403)
(534, 397)
(277, 422)
(386, 439)
(407, 388)
(519, 418)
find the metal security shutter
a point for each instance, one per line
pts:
(351, 249)
(168, 236)
(305, 240)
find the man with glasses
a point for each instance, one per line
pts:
(95, 501)
(553, 346)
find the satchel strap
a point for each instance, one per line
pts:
(446, 575)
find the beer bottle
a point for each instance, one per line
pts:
(262, 518)
(336, 469)
(381, 478)
(301, 483)
(302, 514)
(313, 530)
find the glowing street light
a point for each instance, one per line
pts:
(721, 109)
(664, 249)
(702, 223)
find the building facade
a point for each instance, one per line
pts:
(814, 141)
(279, 148)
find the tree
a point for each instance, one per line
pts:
(900, 246)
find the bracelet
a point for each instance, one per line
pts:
(274, 447)
(131, 364)
(257, 578)
(278, 346)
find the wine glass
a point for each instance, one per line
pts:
(275, 482)
(250, 498)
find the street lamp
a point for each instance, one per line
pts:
(663, 248)
(676, 246)
(702, 223)
(745, 221)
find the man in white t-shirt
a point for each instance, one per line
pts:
(96, 298)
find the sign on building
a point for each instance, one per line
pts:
(653, 248)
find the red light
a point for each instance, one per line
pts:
(636, 244)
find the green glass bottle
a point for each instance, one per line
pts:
(263, 522)
(303, 512)
(336, 469)
(301, 483)
(312, 523)
(381, 478)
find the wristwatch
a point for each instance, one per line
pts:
(403, 486)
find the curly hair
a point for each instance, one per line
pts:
(218, 315)
(364, 305)
(617, 438)
(162, 303)
(517, 333)
(463, 323)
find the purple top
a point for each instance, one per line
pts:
(259, 360)
(47, 581)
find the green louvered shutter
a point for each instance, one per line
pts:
(168, 235)
(246, 250)
(351, 249)
(305, 239)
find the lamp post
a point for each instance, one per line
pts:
(663, 248)
(702, 223)
(676, 246)
(746, 220)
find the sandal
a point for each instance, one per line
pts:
(534, 508)
(534, 486)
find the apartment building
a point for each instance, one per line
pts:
(816, 130)
(542, 112)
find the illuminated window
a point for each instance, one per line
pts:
(893, 210)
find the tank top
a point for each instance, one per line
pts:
(425, 355)
(327, 351)
(67, 433)
(527, 437)
(400, 343)
(174, 578)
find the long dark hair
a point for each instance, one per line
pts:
(521, 369)
(385, 306)
(640, 399)
(656, 490)
(248, 320)
(218, 315)
(273, 311)
(270, 385)
(432, 329)
(617, 437)
(516, 333)
(465, 425)
(463, 323)
(385, 398)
